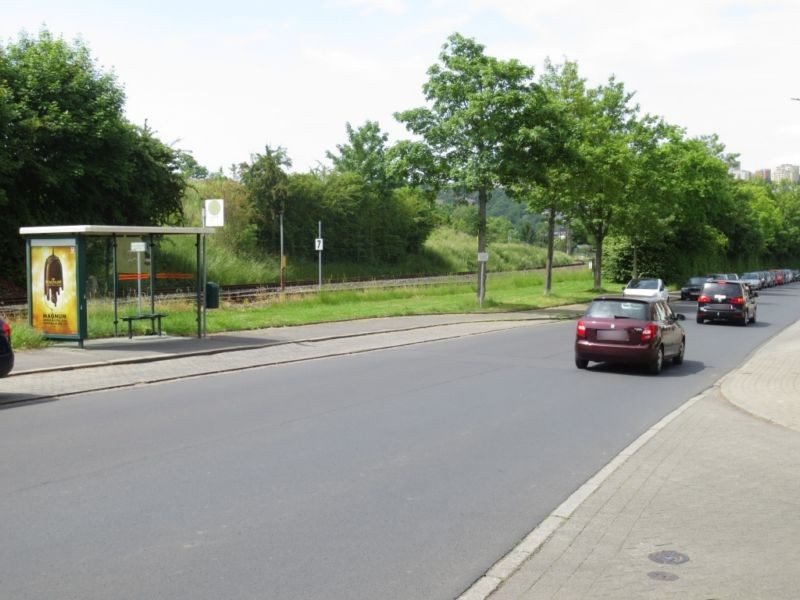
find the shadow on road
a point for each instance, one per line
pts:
(689, 367)
(8, 401)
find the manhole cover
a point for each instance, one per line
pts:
(668, 557)
(662, 576)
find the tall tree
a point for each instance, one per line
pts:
(190, 168)
(648, 212)
(365, 154)
(67, 154)
(547, 174)
(267, 186)
(604, 145)
(474, 100)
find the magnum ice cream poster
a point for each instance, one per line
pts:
(54, 292)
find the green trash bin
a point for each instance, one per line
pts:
(212, 294)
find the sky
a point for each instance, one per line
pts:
(224, 79)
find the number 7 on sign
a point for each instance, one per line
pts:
(318, 244)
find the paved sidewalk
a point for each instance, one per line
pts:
(706, 505)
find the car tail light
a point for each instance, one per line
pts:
(6, 330)
(581, 329)
(649, 332)
(704, 299)
(738, 300)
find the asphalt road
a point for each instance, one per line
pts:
(401, 473)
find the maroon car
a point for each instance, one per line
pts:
(6, 350)
(629, 330)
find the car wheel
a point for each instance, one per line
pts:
(700, 320)
(678, 358)
(658, 362)
(753, 318)
(581, 363)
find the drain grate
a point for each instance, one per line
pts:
(668, 557)
(662, 576)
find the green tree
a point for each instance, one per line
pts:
(474, 100)
(190, 168)
(647, 214)
(604, 146)
(67, 154)
(546, 179)
(703, 202)
(786, 245)
(267, 186)
(365, 154)
(372, 216)
(240, 232)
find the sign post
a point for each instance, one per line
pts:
(318, 245)
(213, 216)
(283, 257)
(139, 247)
(483, 258)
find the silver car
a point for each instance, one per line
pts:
(753, 280)
(646, 287)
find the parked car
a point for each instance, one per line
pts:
(6, 350)
(693, 286)
(646, 287)
(629, 330)
(754, 279)
(723, 300)
(779, 276)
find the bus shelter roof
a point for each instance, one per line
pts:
(121, 230)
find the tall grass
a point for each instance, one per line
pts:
(226, 267)
(446, 251)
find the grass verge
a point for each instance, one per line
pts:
(506, 292)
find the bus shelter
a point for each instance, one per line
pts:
(58, 279)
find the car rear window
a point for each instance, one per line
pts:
(698, 280)
(722, 289)
(643, 284)
(619, 309)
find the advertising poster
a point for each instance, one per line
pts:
(54, 287)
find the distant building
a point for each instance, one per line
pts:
(764, 174)
(786, 173)
(741, 174)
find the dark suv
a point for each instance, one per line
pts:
(725, 300)
(693, 286)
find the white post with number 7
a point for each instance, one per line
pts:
(318, 247)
